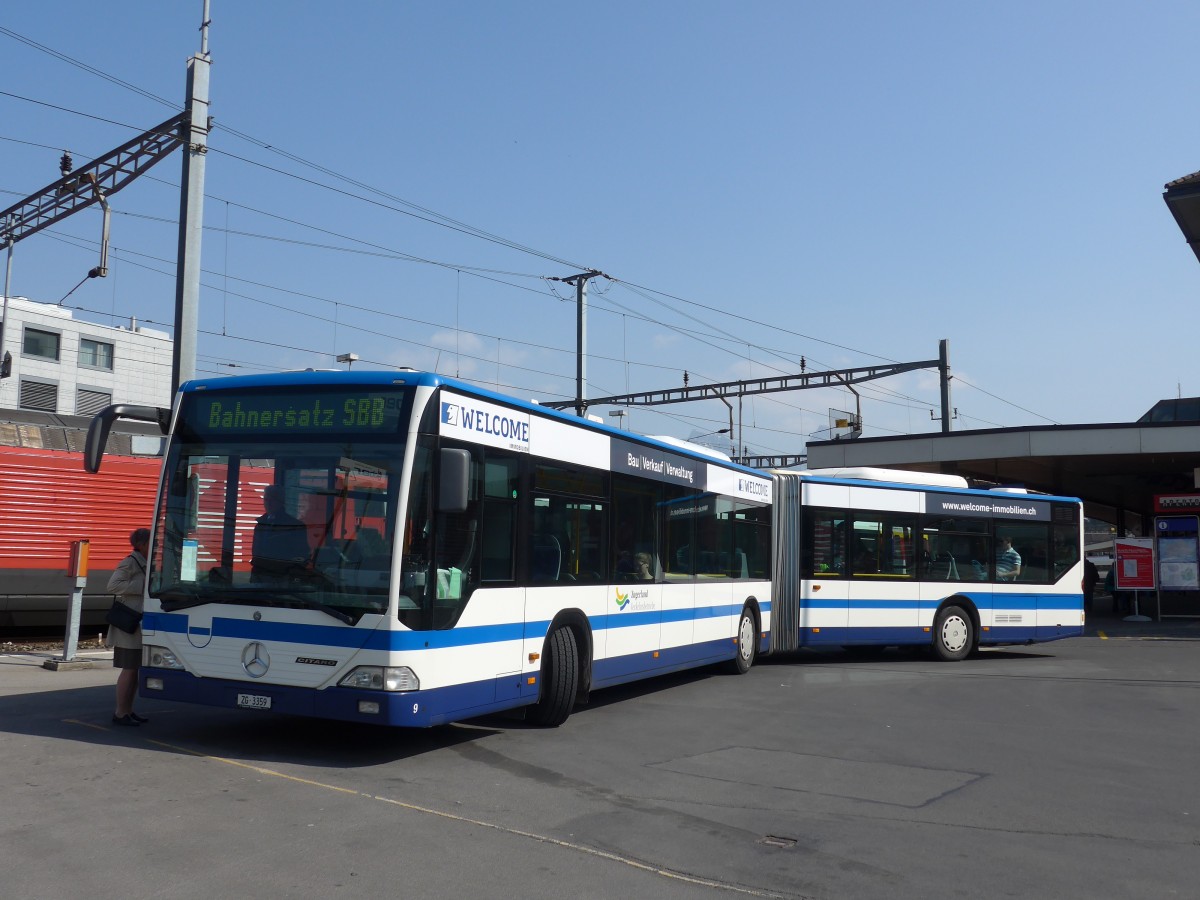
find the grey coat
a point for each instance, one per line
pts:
(127, 584)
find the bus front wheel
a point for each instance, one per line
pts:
(747, 643)
(953, 634)
(560, 679)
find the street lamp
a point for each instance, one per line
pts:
(618, 414)
(348, 358)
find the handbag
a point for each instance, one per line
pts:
(123, 617)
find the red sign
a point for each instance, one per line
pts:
(1133, 564)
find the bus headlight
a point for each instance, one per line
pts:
(159, 657)
(382, 678)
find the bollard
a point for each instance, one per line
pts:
(78, 572)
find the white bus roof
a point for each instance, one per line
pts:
(688, 445)
(899, 476)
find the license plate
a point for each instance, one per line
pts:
(254, 701)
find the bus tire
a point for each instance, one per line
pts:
(747, 643)
(953, 634)
(560, 680)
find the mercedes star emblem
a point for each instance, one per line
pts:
(256, 660)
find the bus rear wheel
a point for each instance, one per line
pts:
(560, 679)
(747, 643)
(953, 634)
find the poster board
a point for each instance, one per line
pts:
(1133, 564)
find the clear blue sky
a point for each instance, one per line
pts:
(765, 180)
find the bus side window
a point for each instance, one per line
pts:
(824, 544)
(456, 564)
(498, 541)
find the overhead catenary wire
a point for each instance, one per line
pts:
(472, 232)
(466, 229)
(422, 213)
(774, 400)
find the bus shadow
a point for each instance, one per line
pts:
(857, 656)
(604, 697)
(84, 716)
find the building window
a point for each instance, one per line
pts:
(43, 344)
(96, 354)
(89, 402)
(39, 395)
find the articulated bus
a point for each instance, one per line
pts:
(407, 549)
(403, 548)
(875, 558)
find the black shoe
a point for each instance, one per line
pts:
(125, 720)
(141, 720)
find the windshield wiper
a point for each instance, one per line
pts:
(307, 603)
(174, 599)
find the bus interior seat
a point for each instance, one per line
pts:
(328, 557)
(546, 559)
(944, 568)
(739, 568)
(370, 542)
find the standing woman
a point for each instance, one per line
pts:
(128, 583)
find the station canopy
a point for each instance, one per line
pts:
(1117, 469)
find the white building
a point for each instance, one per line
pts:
(66, 366)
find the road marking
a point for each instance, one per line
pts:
(516, 832)
(86, 724)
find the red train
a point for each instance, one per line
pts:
(47, 501)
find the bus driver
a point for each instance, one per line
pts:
(280, 540)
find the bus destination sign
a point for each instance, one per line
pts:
(295, 412)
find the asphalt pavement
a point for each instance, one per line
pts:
(1102, 622)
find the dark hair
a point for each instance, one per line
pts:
(139, 536)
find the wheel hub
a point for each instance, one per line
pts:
(954, 634)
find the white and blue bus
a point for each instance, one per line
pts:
(874, 558)
(407, 549)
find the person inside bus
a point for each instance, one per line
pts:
(642, 570)
(864, 559)
(631, 565)
(280, 540)
(1008, 560)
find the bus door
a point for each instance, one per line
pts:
(567, 553)
(716, 561)
(884, 595)
(825, 589)
(641, 601)
(956, 554)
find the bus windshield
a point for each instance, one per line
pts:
(282, 498)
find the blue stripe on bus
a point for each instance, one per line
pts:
(426, 707)
(382, 639)
(915, 635)
(999, 602)
(414, 709)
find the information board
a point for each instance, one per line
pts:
(1133, 564)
